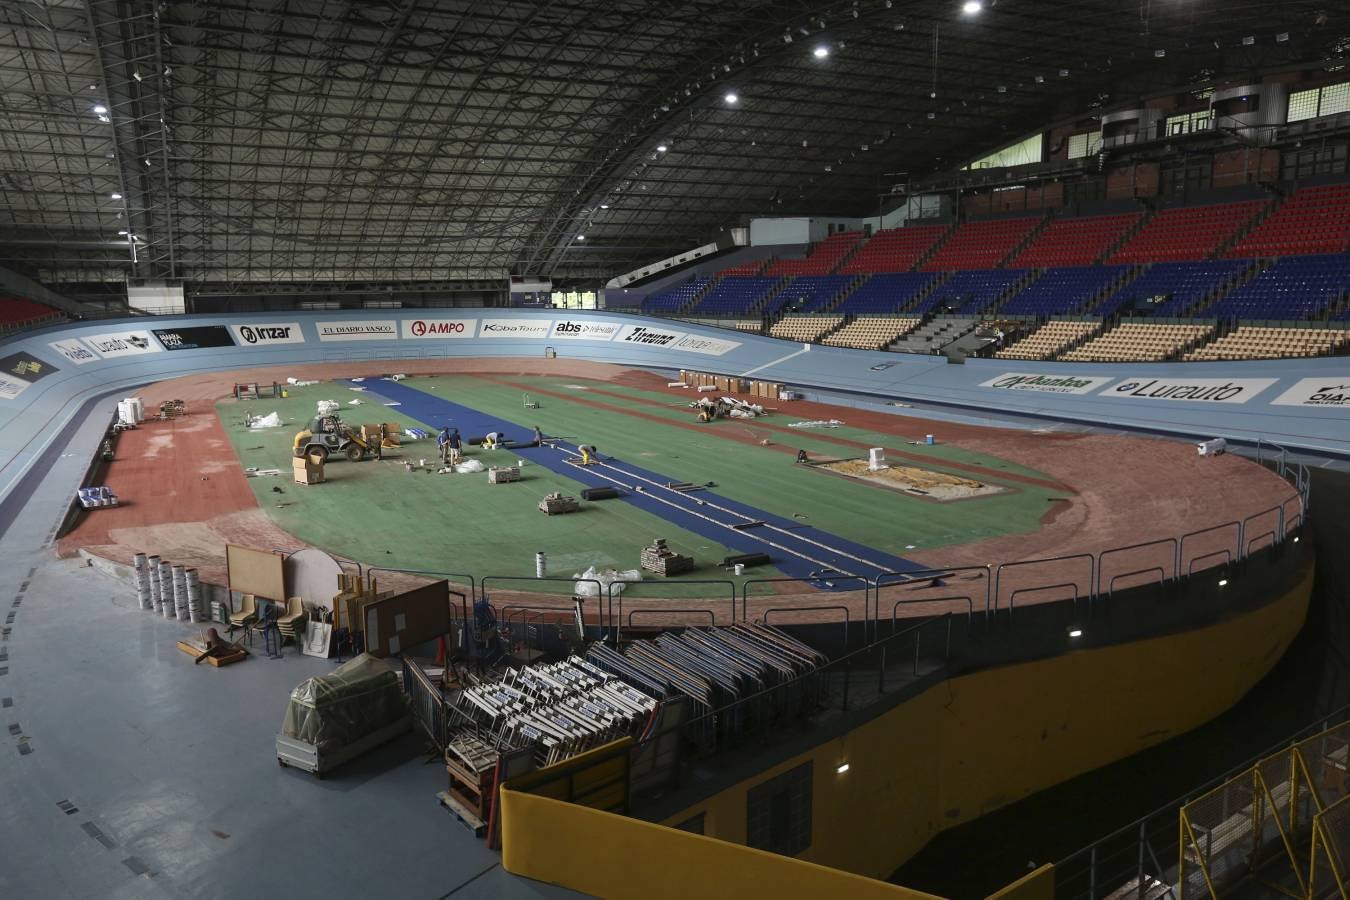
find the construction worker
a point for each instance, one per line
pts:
(491, 440)
(379, 444)
(588, 454)
(801, 456)
(538, 436)
(443, 443)
(456, 444)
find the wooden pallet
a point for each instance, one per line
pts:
(463, 813)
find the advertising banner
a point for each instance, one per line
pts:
(583, 330)
(1323, 392)
(358, 330)
(439, 328)
(264, 333)
(515, 328)
(122, 343)
(1047, 384)
(74, 350)
(195, 338)
(1201, 390)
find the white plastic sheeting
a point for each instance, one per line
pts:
(271, 420)
(606, 577)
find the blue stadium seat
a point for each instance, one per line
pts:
(1173, 288)
(886, 293)
(1064, 291)
(970, 293)
(736, 295)
(1296, 287)
(810, 293)
(671, 301)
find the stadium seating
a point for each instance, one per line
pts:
(1139, 342)
(754, 326)
(1257, 342)
(934, 335)
(18, 312)
(810, 293)
(981, 245)
(1312, 220)
(804, 328)
(886, 293)
(1297, 287)
(672, 301)
(823, 258)
(1077, 241)
(1064, 291)
(871, 332)
(969, 293)
(1049, 339)
(737, 296)
(895, 249)
(1187, 232)
(753, 267)
(1173, 289)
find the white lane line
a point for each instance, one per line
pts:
(806, 349)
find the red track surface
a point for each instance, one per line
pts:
(187, 495)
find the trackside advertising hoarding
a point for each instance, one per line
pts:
(1047, 384)
(262, 334)
(195, 338)
(358, 330)
(1329, 392)
(583, 330)
(440, 328)
(515, 328)
(115, 344)
(74, 350)
(1191, 390)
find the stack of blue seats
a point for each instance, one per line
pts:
(810, 293)
(671, 301)
(1172, 289)
(887, 293)
(1063, 291)
(970, 293)
(1296, 287)
(735, 295)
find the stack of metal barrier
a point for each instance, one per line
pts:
(737, 680)
(561, 709)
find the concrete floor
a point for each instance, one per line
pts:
(126, 771)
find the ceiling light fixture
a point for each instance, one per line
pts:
(581, 237)
(972, 7)
(731, 97)
(115, 195)
(100, 110)
(661, 148)
(604, 206)
(821, 52)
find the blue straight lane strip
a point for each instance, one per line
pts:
(798, 551)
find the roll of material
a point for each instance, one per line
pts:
(142, 569)
(193, 586)
(180, 603)
(166, 607)
(540, 565)
(599, 493)
(152, 574)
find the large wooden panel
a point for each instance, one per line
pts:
(405, 620)
(256, 572)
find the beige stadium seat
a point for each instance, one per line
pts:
(752, 325)
(871, 332)
(1267, 342)
(1049, 339)
(804, 328)
(1138, 342)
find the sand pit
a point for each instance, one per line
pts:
(939, 486)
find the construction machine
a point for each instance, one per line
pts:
(327, 435)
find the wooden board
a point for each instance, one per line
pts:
(402, 621)
(194, 649)
(257, 572)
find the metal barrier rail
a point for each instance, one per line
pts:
(616, 622)
(428, 708)
(851, 579)
(1175, 555)
(1092, 571)
(935, 574)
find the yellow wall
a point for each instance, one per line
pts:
(975, 743)
(1037, 885)
(613, 856)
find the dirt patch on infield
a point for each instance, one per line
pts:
(929, 485)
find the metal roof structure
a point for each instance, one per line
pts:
(256, 142)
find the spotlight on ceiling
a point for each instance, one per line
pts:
(821, 52)
(581, 237)
(100, 110)
(731, 98)
(661, 148)
(116, 196)
(972, 7)
(604, 206)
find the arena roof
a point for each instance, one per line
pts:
(255, 141)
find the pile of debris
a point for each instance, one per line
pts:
(556, 504)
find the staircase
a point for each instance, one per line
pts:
(937, 245)
(1277, 200)
(941, 279)
(698, 298)
(1256, 267)
(1026, 241)
(843, 295)
(1126, 237)
(934, 334)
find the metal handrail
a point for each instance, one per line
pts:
(919, 574)
(712, 620)
(1012, 598)
(852, 579)
(1228, 560)
(1237, 541)
(473, 584)
(775, 609)
(1111, 585)
(998, 572)
(616, 622)
(1176, 553)
(970, 607)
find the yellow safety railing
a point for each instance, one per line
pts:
(1283, 822)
